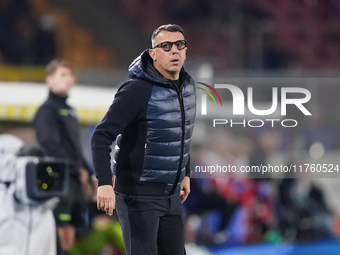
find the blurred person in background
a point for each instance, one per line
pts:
(46, 46)
(57, 131)
(24, 38)
(320, 131)
(104, 235)
(204, 198)
(303, 212)
(261, 193)
(152, 118)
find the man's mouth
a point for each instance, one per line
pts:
(175, 61)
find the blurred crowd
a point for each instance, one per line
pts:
(254, 34)
(231, 34)
(25, 38)
(229, 208)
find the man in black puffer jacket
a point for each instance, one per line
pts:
(151, 119)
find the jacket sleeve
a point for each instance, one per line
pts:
(47, 132)
(125, 108)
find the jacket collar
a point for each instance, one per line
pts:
(57, 98)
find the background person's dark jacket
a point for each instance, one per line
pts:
(155, 119)
(57, 131)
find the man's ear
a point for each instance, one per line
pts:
(48, 80)
(152, 54)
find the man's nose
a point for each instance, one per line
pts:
(174, 49)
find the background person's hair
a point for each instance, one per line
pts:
(168, 27)
(55, 63)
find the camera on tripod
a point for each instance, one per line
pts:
(35, 179)
(31, 185)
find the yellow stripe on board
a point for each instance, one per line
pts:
(26, 113)
(22, 74)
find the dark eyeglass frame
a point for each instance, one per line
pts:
(161, 45)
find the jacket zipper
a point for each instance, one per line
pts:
(183, 133)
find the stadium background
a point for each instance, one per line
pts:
(244, 39)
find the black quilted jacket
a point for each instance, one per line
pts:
(152, 119)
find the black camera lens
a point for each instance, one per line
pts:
(49, 177)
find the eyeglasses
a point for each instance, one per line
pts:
(167, 46)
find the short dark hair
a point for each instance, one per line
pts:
(55, 63)
(168, 27)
